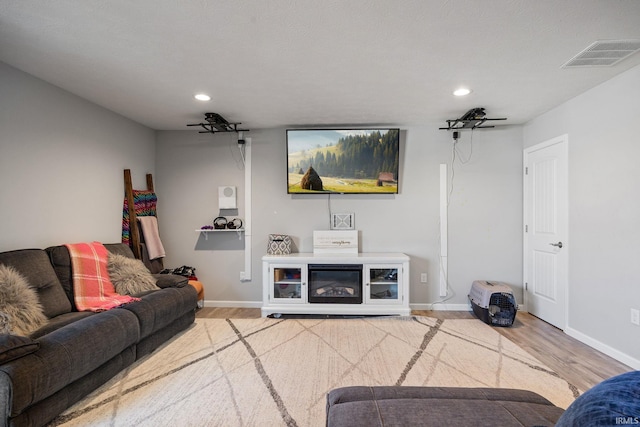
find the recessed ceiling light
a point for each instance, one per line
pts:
(462, 91)
(202, 97)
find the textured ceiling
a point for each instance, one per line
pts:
(271, 63)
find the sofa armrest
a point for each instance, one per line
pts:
(170, 280)
(13, 347)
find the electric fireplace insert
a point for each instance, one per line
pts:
(335, 283)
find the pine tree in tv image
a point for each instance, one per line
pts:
(343, 161)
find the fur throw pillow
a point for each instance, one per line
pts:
(5, 323)
(19, 303)
(129, 276)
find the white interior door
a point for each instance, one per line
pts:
(546, 218)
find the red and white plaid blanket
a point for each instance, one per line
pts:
(92, 288)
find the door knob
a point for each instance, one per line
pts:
(557, 245)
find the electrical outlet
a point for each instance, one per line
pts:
(423, 278)
(635, 316)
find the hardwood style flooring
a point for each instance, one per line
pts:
(574, 361)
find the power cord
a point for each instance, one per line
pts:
(329, 208)
(240, 142)
(455, 146)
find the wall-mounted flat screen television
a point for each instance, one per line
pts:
(344, 161)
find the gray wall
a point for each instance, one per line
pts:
(604, 211)
(191, 167)
(61, 163)
(485, 217)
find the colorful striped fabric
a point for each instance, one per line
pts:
(145, 205)
(92, 288)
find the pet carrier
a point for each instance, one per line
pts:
(493, 302)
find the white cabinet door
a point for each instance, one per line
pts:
(288, 283)
(383, 284)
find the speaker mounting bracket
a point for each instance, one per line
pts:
(216, 123)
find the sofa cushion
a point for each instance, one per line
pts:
(61, 262)
(158, 309)
(36, 268)
(19, 303)
(13, 347)
(68, 354)
(129, 276)
(60, 321)
(120, 249)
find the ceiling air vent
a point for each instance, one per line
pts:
(604, 53)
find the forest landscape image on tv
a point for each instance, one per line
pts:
(345, 161)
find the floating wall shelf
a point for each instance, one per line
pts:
(206, 232)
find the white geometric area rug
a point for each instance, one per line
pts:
(277, 372)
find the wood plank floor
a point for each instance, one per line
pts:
(574, 361)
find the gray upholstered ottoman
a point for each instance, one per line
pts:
(438, 406)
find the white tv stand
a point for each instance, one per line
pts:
(384, 285)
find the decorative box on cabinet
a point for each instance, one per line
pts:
(383, 285)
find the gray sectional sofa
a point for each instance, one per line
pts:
(75, 352)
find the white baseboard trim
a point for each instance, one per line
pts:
(604, 348)
(258, 304)
(233, 304)
(441, 307)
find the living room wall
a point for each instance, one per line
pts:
(62, 160)
(61, 163)
(485, 212)
(604, 211)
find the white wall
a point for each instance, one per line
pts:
(61, 164)
(485, 235)
(604, 211)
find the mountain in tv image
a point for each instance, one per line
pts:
(343, 161)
